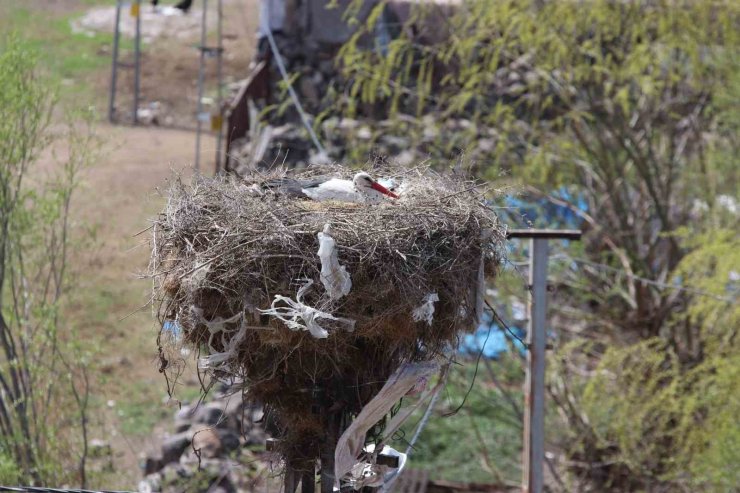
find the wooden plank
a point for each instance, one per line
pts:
(237, 115)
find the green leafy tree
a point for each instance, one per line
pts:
(631, 109)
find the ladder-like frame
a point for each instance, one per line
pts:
(135, 11)
(205, 52)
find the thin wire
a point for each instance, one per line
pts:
(37, 489)
(419, 428)
(425, 418)
(500, 320)
(652, 282)
(291, 91)
(475, 375)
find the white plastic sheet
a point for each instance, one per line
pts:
(370, 474)
(334, 276)
(352, 441)
(425, 311)
(298, 316)
(229, 341)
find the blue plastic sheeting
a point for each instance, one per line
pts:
(543, 213)
(172, 327)
(497, 343)
(523, 212)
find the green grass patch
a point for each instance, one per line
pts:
(137, 414)
(479, 443)
(66, 57)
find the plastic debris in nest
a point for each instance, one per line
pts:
(352, 441)
(366, 473)
(334, 276)
(229, 340)
(425, 312)
(299, 316)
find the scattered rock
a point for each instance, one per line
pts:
(182, 425)
(152, 464)
(207, 443)
(229, 440)
(209, 438)
(211, 414)
(174, 445)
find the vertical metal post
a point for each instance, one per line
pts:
(137, 62)
(219, 79)
(333, 431)
(201, 76)
(114, 65)
(534, 411)
(308, 479)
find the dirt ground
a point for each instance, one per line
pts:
(118, 195)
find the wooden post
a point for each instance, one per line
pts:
(327, 452)
(308, 479)
(533, 455)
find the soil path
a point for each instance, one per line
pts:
(119, 194)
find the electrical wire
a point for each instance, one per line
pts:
(291, 91)
(651, 282)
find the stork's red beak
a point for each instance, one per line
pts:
(380, 188)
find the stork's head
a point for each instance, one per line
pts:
(364, 184)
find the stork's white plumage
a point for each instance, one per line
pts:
(362, 189)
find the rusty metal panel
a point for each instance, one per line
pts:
(237, 116)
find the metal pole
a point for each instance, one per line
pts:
(533, 455)
(333, 431)
(534, 389)
(137, 62)
(219, 78)
(114, 65)
(201, 76)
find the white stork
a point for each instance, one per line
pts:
(362, 189)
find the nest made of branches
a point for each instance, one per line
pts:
(224, 247)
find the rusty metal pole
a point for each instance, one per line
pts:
(201, 77)
(220, 82)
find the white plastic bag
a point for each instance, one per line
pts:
(298, 316)
(334, 277)
(425, 311)
(350, 444)
(229, 340)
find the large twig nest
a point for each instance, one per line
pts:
(225, 248)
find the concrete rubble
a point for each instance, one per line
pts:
(217, 446)
(281, 139)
